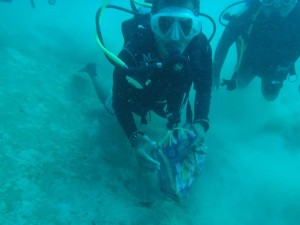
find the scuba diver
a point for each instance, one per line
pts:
(267, 37)
(165, 53)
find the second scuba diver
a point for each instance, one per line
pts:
(267, 37)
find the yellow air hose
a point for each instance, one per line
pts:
(109, 54)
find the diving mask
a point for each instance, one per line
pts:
(175, 24)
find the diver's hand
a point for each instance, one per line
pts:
(143, 147)
(230, 84)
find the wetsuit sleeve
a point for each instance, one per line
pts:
(121, 95)
(229, 36)
(203, 85)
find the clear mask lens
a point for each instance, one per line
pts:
(167, 23)
(175, 24)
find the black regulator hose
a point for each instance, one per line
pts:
(224, 15)
(213, 23)
(133, 6)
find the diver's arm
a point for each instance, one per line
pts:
(121, 99)
(122, 104)
(201, 106)
(203, 87)
(229, 36)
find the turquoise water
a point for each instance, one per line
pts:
(64, 160)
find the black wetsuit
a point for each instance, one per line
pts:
(271, 45)
(167, 90)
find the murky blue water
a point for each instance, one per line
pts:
(64, 160)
